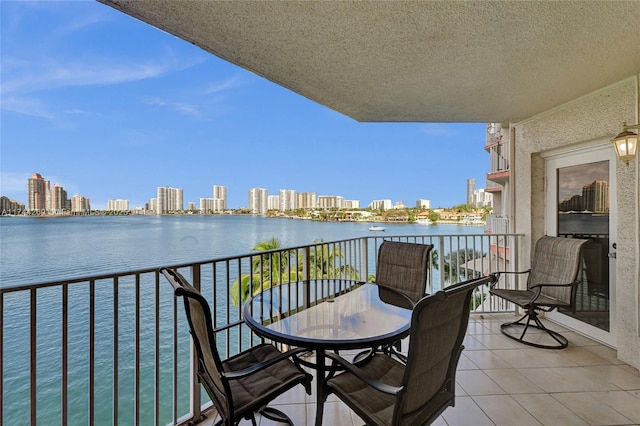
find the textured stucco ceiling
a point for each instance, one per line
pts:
(422, 61)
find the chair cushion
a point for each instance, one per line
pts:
(365, 399)
(251, 392)
(522, 297)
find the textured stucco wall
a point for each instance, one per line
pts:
(598, 116)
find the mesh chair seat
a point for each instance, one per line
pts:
(266, 384)
(366, 398)
(523, 298)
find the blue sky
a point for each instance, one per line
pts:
(109, 107)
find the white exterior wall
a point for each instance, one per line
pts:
(592, 118)
(273, 202)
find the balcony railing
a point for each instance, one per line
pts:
(498, 157)
(497, 224)
(115, 348)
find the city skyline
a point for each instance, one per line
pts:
(42, 196)
(111, 108)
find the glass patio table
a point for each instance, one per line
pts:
(365, 317)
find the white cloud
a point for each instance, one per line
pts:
(221, 86)
(181, 107)
(27, 106)
(21, 77)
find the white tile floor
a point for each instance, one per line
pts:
(502, 382)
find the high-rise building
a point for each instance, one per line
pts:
(220, 198)
(258, 200)
(59, 201)
(80, 204)
(287, 200)
(330, 202)
(118, 205)
(306, 200)
(351, 204)
(206, 205)
(8, 206)
(471, 187)
(481, 198)
(595, 197)
(37, 192)
(423, 204)
(273, 202)
(169, 200)
(380, 204)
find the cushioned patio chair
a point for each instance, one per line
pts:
(244, 384)
(551, 284)
(384, 391)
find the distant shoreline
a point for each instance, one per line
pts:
(52, 216)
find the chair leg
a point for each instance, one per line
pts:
(532, 320)
(276, 415)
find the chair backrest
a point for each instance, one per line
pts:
(556, 260)
(201, 327)
(404, 267)
(438, 326)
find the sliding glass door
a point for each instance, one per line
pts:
(580, 194)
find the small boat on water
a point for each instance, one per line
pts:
(376, 228)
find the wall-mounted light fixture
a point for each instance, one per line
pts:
(626, 143)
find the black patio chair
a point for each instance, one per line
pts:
(246, 383)
(551, 284)
(384, 391)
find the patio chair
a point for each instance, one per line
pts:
(403, 267)
(244, 384)
(551, 284)
(384, 391)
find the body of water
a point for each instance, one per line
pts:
(36, 250)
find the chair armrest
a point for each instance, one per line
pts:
(238, 374)
(374, 383)
(553, 285)
(498, 273)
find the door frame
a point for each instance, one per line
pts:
(595, 151)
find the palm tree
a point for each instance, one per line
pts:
(454, 263)
(327, 263)
(267, 269)
(272, 269)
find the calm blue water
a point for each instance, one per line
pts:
(34, 250)
(38, 250)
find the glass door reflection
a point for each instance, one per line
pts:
(583, 212)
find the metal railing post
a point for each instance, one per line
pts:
(306, 278)
(441, 261)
